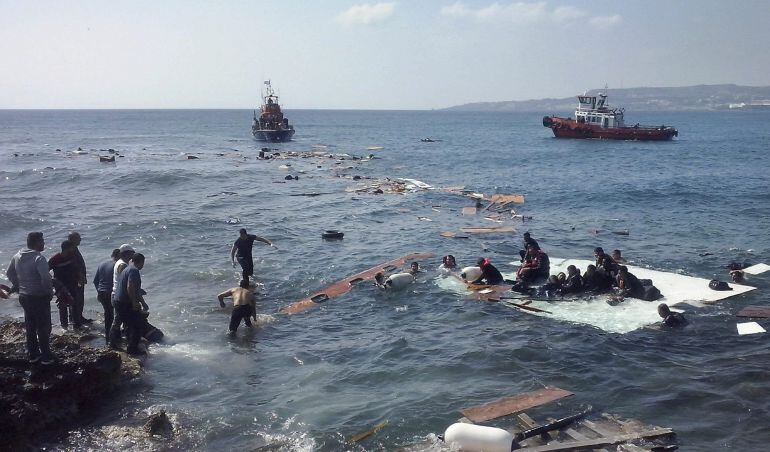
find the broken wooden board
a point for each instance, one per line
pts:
(362, 436)
(515, 404)
(344, 286)
(494, 230)
(469, 211)
(502, 200)
(759, 312)
(756, 269)
(601, 441)
(593, 435)
(453, 235)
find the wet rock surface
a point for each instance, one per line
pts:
(41, 400)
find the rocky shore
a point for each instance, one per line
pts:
(38, 401)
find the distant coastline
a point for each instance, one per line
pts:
(683, 98)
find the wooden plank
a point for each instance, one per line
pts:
(469, 211)
(453, 235)
(507, 199)
(495, 230)
(344, 286)
(600, 442)
(574, 434)
(515, 404)
(600, 430)
(759, 312)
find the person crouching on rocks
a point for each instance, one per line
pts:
(244, 305)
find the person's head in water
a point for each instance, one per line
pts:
(616, 255)
(571, 270)
(598, 251)
(244, 283)
(242, 233)
(663, 310)
(622, 270)
(736, 276)
(138, 260)
(115, 254)
(449, 261)
(482, 262)
(67, 248)
(527, 235)
(414, 268)
(379, 278)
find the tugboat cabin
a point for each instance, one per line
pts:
(593, 110)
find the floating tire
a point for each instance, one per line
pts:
(332, 235)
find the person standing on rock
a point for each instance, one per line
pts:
(28, 272)
(126, 253)
(129, 302)
(80, 292)
(65, 270)
(103, 285)
(242, 250)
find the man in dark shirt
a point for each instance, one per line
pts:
(66, 272)
(129, 302)
(605, 262)
(528, 241)
(79, 294)
(103, 285)
(672, 319)
(242, 250)
(489, 273)
(574, 282)
(628, 284)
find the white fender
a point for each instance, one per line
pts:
(470, 274)
(478, 438)
(399, 280)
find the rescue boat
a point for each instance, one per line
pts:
(595, 119)
(271, 125)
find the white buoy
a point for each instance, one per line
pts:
(399, 280)
(470, 274)
(478, 438)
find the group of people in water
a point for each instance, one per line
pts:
(118, 285)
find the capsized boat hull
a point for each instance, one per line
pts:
(569, 128)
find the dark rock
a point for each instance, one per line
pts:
(159, 424)
(39, 400)
(288, 177)
(356, 177)
(192, 157)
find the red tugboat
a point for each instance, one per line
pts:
(271, 125)
(595, 119)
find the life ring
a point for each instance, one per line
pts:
(332, 235)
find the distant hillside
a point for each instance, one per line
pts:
(684, 98)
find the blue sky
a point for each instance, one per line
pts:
(367, 55)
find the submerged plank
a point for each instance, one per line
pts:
(515, 404)
(469, 211)
(599, 442)
(495, 230)
(344, 286)
(756, 269)
(760, 312)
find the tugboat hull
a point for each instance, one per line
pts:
(273, 136)
(569, 128)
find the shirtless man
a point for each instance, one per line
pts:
(244, 305)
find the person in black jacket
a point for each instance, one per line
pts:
(605, 262)
(574, 282)
(628, 284)
(489, 273)
(528, 241)
(672, 319)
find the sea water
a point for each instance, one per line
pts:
(413, 358)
